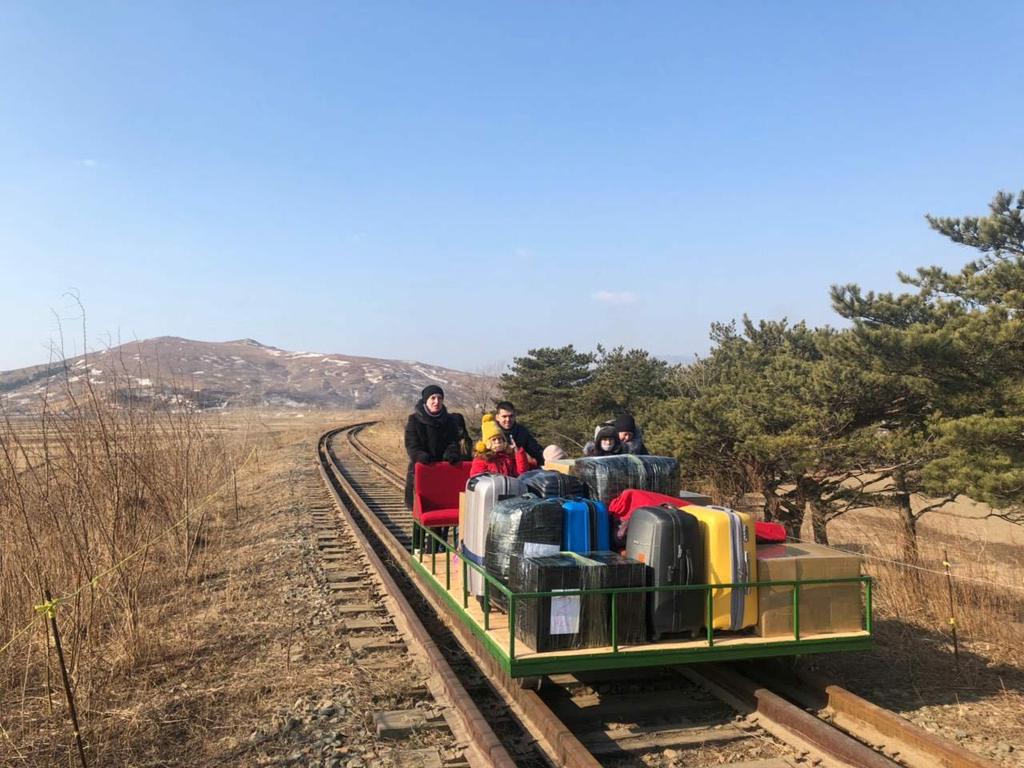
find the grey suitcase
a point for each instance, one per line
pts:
(482, 493)
(669, 541)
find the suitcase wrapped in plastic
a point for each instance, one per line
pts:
(482, 493)
(548, 483)
(730, 555)
(608, 476)
(551, 623)
(525, 526)
(585, 526)
(610, 570)
(670, 543)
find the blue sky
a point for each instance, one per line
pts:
(460, 182)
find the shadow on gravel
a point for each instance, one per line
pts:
(913, 667)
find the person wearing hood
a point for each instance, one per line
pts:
(630, 437)
(606, 443)
(433, 434)
(494, 455)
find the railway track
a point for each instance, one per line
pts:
(750, 716)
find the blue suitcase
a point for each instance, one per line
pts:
(585, 526)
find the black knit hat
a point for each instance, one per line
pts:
(431, 389)
(606, 433)
(624, 423)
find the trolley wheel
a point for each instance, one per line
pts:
(530, 683)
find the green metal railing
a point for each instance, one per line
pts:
(512, 599)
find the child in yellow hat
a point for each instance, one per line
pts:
(493, 454)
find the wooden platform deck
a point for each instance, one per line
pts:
(519, 656)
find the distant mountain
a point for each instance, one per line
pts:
(232, 374)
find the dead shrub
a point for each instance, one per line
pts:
(105, 503)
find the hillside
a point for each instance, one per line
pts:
(231, 374)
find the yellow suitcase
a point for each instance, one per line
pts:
(730, 555)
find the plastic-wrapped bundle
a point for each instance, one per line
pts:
(524, 525)
(547, 483)
(552, 623)
(611, 569)
(608, 476)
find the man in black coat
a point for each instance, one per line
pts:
(629, 435)
(433, 434)
(517, 435)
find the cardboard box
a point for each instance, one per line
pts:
(560, 465)
(824, 608)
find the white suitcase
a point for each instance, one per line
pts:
(482, 492)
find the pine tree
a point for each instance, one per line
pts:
(546, 387)
(957, 344)
(775, 409)
(623, 381)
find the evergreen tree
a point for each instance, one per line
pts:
(623, 381)
(547, 386)
(956, 344)
(774, 409)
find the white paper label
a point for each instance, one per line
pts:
(539, 550)
(565, 614)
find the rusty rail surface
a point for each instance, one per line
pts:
(886, 730)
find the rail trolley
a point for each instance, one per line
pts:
(447, 573)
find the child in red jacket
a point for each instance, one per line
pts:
(494, 455)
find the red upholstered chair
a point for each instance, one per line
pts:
(435, 500)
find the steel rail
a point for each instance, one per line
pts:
(471, 727)
(377, 462)
(557, 741)
(885, 729)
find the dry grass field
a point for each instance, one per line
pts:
(174, 542)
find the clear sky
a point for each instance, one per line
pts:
(460, 182)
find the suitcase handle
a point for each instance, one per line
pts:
(689, 568)
(746, 571)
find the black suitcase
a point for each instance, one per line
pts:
(547, 483)
(608, 476)
(613, 570)
(670, 542)
(523, 525)
(552, 623)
